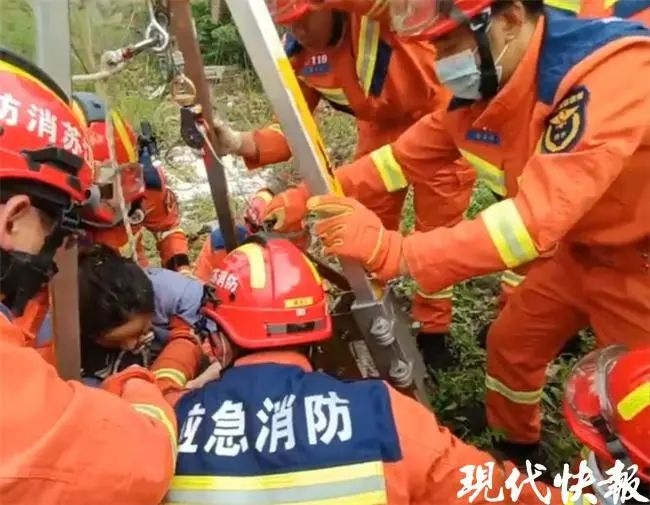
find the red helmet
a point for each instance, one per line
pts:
(285, 12)
(269, 295)
(128, 173)
(607, 405)
(41, 139)
(429, 19)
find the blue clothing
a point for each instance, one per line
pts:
(262, 421)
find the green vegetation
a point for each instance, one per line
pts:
(239, 100)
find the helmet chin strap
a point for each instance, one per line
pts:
(25, 274)
(489, 77)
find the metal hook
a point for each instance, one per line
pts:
(155, 31)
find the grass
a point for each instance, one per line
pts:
(240, 101)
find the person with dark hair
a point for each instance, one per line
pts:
(539, 115)
(130, 315)
(62, 442)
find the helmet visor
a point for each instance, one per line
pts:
(586, 393)
(411, 18)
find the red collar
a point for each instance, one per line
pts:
(277, 357)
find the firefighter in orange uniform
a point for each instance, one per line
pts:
(344, 52)
(575, 179)
(272, 430)
(61, 441)
(607, 408)
(150, 203)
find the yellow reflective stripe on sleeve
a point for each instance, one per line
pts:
(443, 294)
(566, 5)
(162, 235)
(367, 52)
(357, 484)
(511, 278)
(390, 171)
(378, 7)
(158, 413)
(336, 95)
(255, 256)
(490, 174)
(521, 397)
(123, 135)
(172, 374)
(509, 234)
(634, 402)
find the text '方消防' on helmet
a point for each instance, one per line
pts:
(45, 155)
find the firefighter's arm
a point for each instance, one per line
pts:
(589, 138)
(84, 441)
(415, 155)
(268, 145)
(203, 265)
(179, 360)
(164, 221)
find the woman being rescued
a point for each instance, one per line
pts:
(130, 315)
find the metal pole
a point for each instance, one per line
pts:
(386, 333)
(53, 56)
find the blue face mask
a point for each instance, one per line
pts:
(460, 73)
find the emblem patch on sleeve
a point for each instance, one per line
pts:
(567, 123)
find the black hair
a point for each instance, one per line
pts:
(43, 196)
(112, 289)
(533, 7)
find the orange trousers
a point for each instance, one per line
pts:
(559, 297)
(438, 201)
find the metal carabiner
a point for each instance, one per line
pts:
(155, 31)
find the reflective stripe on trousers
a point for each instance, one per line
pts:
(521, 397)
(359, 484)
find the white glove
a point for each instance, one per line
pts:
(211, 373)
(229, 141)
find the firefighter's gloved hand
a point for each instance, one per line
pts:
(229, 141)
(350, 230)
(211, 373)
(287, 209)
(116, 382)
(257, 208)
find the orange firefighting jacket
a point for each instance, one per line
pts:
(566, 148)
(369, 73)
(401, 456)
(161, 217)
(63, 442)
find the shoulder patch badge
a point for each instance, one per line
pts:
(567, 123)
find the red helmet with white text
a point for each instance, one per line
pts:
(269, 295)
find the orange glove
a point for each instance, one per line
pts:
(116, 382)
(257, 208)
(350, 230)
(288, 209)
